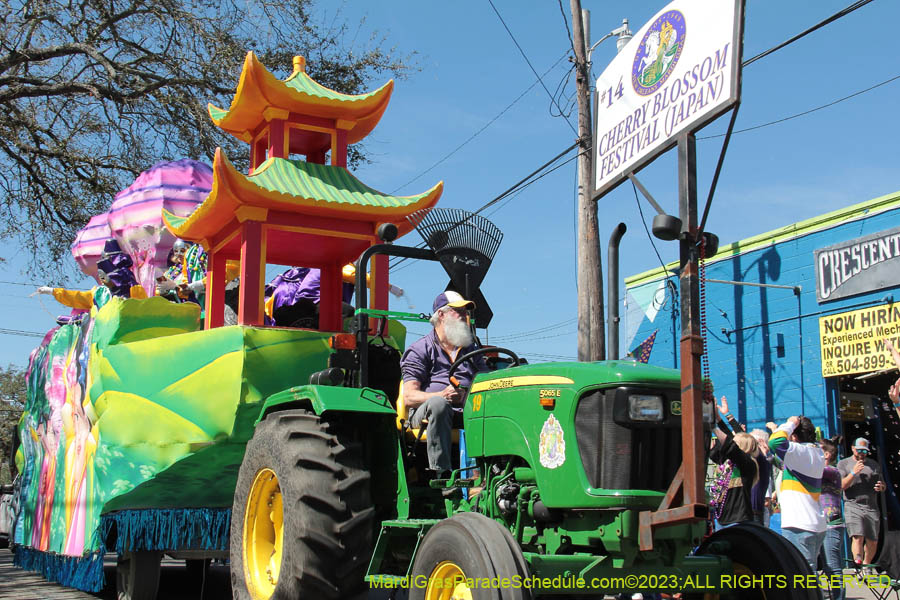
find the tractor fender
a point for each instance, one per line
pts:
(322, 399)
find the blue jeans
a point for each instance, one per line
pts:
(833, 551)
(809, 543)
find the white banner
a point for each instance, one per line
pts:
(680, 71)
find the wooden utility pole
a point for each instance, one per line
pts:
(591, 330)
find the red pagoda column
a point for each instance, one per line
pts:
(253, 267)
(215, 291)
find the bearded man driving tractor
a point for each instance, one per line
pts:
(427, 389)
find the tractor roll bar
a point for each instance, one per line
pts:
(362, 319)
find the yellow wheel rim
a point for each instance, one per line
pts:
(447, 582)
(263, 535)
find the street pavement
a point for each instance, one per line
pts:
(175, 584)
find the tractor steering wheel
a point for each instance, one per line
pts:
(473, 354)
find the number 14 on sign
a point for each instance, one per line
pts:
(607, 95)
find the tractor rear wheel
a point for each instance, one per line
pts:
(137, 575)
(464, 547)
(754, 551)
(302, 516)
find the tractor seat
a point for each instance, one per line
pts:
(414, 434)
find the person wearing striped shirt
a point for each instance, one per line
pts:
(802, 518)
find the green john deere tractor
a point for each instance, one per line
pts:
(574, 483)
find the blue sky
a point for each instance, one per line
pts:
(471, 71)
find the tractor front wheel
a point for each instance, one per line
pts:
(302, 517)
(759, 555)
(462, 549)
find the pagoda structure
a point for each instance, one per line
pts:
(294, 207)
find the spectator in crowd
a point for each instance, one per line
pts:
(750, 446)
(764, 490)
(737, 472)
(802, 517)
(861, 481)
(894, 390)
(830, 499)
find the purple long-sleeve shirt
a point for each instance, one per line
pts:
(426, 362)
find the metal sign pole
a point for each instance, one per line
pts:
(691, 336)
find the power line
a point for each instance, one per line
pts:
(644, 223)
(806, 112)
(488, 124)
(21, 333)
(819, 25)
(543, 337)
(534, 331)
(521, 184)
(565, 19)
(19, 283)
(533, 70)
(524, 185)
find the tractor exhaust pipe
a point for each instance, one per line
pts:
(612, 286)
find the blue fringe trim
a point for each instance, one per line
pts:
(168, 529)
(81, 572)
(143, 529)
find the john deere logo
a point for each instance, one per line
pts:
(658, 53)
(675, 407)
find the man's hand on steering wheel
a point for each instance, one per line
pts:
(478, 352)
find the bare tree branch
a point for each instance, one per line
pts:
(93, 92)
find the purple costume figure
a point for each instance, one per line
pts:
(115, 266)
(295, 297)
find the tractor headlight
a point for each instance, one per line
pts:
(645, 408)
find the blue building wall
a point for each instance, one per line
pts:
(762, 381)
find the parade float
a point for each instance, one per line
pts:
(139, 411)
(289, 450)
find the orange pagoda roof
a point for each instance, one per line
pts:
(260, 94)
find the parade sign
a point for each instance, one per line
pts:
(862, 265)
(853, 342)
(679, 72)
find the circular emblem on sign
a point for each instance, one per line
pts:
(658, 53)
(552, 447)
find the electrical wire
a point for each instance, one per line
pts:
(488, 124)
(565, 20)
(396, 266)
(19, 332)
(533, 70)
(521, 184)
(841, 13)
(806, 112)
(20, 283)
(535, 331)
(644, 223)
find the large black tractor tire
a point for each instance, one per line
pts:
(137, 575)
(754, 551)
(315, 538)
(468, 546)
